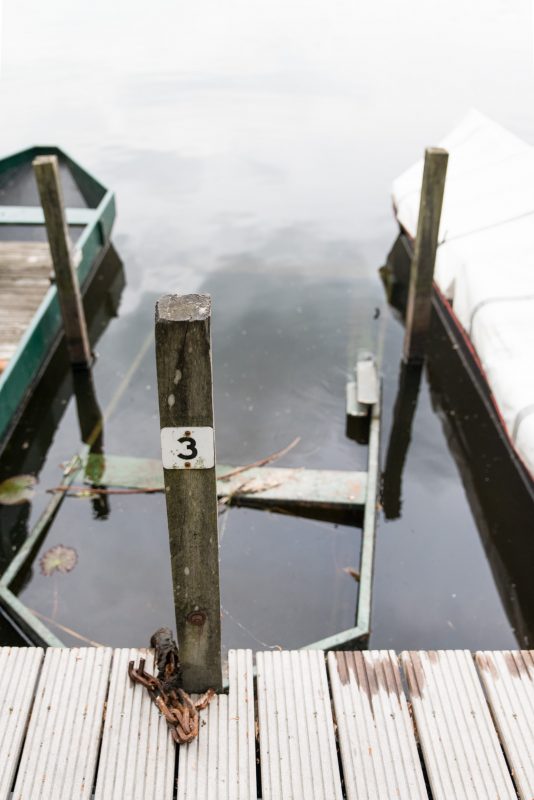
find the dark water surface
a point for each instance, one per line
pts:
(251, 150)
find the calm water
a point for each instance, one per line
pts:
(251, 148)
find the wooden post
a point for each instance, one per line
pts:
(422, 269)
(47, 175)
(183, 359)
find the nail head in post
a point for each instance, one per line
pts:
(197, 618)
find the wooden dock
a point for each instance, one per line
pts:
(369, 724)
(25, 277)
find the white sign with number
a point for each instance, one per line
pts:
(187, 448)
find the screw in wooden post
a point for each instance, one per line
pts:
(46, 172)
(185, 391)
(419, 306)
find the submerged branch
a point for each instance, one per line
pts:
(65, 629)
(262, 462)
(86, 491)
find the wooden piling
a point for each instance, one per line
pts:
(47, 175)
(183, 359)
(422, 268)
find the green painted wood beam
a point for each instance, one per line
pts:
(32, 626)
(360, 633)
(33, 215)
(345, 640)
(256, 486)
(363, 620)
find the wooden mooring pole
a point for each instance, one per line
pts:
(70, 301)
(419, 306)
(183, 359)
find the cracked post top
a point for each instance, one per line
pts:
(183, 308)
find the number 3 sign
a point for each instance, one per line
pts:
(187, 448)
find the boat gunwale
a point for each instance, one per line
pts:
(85, 180)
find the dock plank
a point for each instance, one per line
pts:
(297, 742)
(242, 727)
(19, 670)
(60, 753)
(25, 272)
(508, 679)
(458, 739)
(220, 764)
(138, 753)
(375, 731)
(77, 723)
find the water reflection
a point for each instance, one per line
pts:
(91, 423)
(399, 438)
(500, 501)
(253, 158)
(28, 447)
(501, 507)
(278, 360)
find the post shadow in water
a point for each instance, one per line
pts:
(400, 437)
(91, 422)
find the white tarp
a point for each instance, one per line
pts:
(485, 259)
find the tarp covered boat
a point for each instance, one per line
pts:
(484, 274)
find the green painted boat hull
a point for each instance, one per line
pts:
(42, 335)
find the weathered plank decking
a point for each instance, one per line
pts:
(91, 732)
(25, 273)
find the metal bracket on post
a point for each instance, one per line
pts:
(362, 395)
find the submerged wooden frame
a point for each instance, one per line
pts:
(356, 636)
(45, 328)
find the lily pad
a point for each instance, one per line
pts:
(16, 490)
(58, 559)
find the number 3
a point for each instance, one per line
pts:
(191, 444)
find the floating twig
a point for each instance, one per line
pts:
(262, 462)
(65, 629)
(87, 491)
(249, 486)
(352, 572)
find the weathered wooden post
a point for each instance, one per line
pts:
(424, 258)
(183, 359)
(47, 175)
